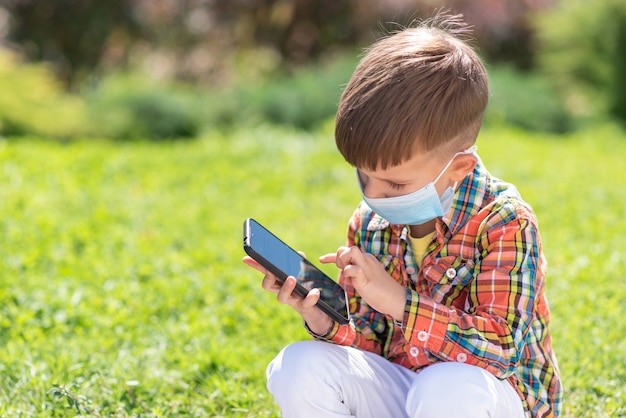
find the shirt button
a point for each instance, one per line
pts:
(461, 357)
(414, 351)
(451, 273)
(422, 336)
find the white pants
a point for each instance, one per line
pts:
(317, 379)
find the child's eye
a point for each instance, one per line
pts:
(395, 186)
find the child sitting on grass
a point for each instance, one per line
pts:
(443, 266)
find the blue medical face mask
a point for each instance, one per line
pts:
(418, 207)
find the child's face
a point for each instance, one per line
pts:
(406, 177)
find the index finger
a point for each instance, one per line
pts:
(328, 258)
(255, 264)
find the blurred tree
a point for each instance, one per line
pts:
(298, 29)
(197, 40)
(582, 46)
(504, 29)
(70, 34)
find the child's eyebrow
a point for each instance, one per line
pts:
(393, 180)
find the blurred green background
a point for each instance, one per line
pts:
(173, 69)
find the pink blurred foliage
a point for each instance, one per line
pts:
(197, 40)
(502, 28)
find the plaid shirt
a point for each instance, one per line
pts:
(478, 297)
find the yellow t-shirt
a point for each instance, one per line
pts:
(419, 246)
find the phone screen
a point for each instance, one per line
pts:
(276, 255)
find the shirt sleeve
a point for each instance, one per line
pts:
(490, 331)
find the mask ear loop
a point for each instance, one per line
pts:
(470, 150)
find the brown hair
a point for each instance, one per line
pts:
(416, 90)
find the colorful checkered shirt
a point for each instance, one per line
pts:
(478, 297)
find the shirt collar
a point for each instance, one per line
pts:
(469, 198)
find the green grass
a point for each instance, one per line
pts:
(122, 291)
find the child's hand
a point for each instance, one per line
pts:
(370, 280)
(317, 321)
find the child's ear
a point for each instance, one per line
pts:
(462, 166)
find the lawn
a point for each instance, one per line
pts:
(122, 291)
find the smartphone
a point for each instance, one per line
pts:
(283, 261)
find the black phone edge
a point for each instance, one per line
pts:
(300, 290)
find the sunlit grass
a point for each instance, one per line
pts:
(122, 289)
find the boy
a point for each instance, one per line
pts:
(443, 267)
